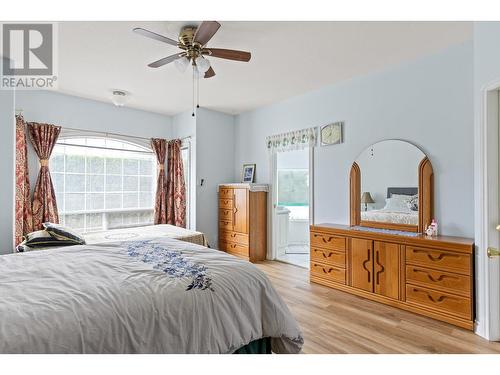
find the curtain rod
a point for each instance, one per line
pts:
(105, 133)
(20, 111)
(117, 134)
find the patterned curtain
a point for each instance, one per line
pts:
(159, 147)
(295, 140)
(43, 138)
(24, 218)
(176, 186)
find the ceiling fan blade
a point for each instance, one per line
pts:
(229, 54)
(209, 73)
(206, 31)
(166, 60)
(152, 35)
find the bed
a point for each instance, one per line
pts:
(395, 213)
(138, 233)
(155, 295)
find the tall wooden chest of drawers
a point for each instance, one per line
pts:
(243, 220)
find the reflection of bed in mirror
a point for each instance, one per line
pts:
(401, 207)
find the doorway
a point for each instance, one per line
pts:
(487, 203)
(292, 206)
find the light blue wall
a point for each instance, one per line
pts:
(212, 144)
(74, 112)
(428, 102)
(7, 162)
(214, 164)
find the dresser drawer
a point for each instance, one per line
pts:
(335, 258)
(328, 272)
(225, 215)
(225, 193)
(452, 282)
(234, 248)
(328, 241)
(225, 225)
(445, 302)
(446, 260)
(226, 203)
(230, 236)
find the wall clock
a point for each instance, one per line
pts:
(331, 134)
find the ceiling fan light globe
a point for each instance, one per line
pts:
(202, 64)
(182, 64)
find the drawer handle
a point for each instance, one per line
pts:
(431, 298)
(323, 253)
(323, 238)
(438, 258)
(368, 260)
(233, 235)
(381, 270)
(431, 278)
(329, 270)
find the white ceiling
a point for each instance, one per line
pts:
(288, 58)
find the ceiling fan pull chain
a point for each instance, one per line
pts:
(193, 88)
(198, 91)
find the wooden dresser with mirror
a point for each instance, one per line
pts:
(384, 254)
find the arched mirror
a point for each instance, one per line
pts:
(392, 187)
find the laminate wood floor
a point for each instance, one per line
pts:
(337, 322)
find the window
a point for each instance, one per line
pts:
(101, 183)
(293, 191)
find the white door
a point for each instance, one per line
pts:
(493, 251)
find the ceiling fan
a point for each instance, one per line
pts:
(192, 41)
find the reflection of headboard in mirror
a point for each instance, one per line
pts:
(402, 191)
(386, 168)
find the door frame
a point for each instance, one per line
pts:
(486, 179)
(272, 248)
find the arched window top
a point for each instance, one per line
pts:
(103, 142)
(102, 182)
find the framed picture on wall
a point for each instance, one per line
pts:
(248, 173)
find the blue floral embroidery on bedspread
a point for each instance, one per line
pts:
(170, 262)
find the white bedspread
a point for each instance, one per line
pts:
(387, 216)
(148, 296)
(140, 233)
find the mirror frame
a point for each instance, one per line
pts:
(425, 200)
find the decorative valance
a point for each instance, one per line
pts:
(296, 140)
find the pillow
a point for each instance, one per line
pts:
(400, 196)
(412, 202)
(42, 238)
(64, 234)
(396, 205)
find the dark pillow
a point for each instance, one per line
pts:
(64, 234)
(41, 238)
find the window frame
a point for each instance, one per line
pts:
(106, 212)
